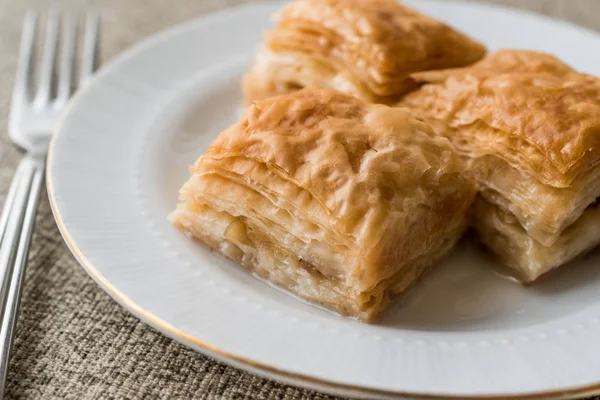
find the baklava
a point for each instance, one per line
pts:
(341, 202)
(367, 48)
(531, 138)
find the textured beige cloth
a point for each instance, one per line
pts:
(75, 342)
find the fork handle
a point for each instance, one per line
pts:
(16, 228)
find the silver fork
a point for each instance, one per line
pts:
(31, 122)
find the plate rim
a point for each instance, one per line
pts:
(249, 365)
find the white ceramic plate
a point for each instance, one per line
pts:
(122, 152)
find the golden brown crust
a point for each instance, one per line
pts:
(502, 62)
(363, 197)
(345, 153)
(543, 124)
(529, 127)
(365, 47)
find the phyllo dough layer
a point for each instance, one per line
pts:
(340, 202)
(367, 48)
(529, 127)
(502, 62)
(529, 259)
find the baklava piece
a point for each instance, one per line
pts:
(340, 202)
(366, 48)
(531, 138)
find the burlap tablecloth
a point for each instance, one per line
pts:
(73, 341)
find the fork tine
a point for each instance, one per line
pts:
(90, 48)
(48, 59)
(67, 60)
(22, 84)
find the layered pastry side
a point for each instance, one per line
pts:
(529, 127)
(367, 48)
(338, 201)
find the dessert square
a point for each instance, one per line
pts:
(338, 201)
(367, 48)
(530, 132)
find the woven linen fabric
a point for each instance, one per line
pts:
(73, 341)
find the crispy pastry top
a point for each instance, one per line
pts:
(363, 163)
(380, 41)
(502, 62)
(547, 124)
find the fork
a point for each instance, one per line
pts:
(31, 122)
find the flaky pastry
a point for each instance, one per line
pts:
(531, 137)
(502, 62)
(338, 201)
(367, 48)
(527, 257)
